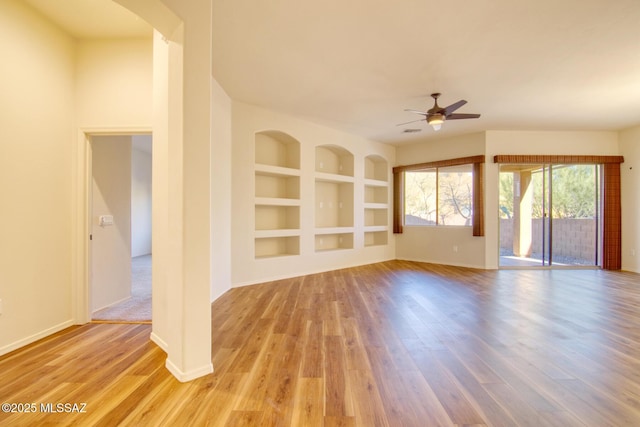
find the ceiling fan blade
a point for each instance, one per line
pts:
(412, 121)
(417, 112)
(453, 107)
(462, 116)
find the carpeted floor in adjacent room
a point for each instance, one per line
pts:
(138, 307)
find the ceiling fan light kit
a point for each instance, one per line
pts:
(435, 120)
(437, 115)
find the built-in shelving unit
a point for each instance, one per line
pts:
(334, 213)
(277, 195)
(278, 202)
(376, 201)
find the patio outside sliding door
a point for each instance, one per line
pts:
(549, 215)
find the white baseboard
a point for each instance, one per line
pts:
(307, 273)
(111, 304)
(159, 342)
(35, 337)
(184, 377)
(452, 264)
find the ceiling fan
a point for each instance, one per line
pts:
(436, 115)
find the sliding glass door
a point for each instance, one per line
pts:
(549, 215)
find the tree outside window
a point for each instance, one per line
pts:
(439, 196)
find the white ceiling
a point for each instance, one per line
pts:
(356, 65)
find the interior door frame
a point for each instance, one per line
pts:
(82, 193)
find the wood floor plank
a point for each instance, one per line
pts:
(308, 402)
(335, 374)
(393, 343)
(368, 408)
(312, 351)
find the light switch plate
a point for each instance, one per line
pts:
(104, 220)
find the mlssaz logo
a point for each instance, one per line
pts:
(66, 408)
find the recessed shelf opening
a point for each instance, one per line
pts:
(270, 217)
(374, 217)
(276, 148)
(274, 186)
(375, 194)
(376, 238)
(277, 246)
(331, 242)
(375, 167)
(334, 160)
(334, 204)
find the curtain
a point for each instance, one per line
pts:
(398, 201)
(478, 199)
(611, 218)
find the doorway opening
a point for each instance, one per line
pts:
(120, 208)
(550, 215)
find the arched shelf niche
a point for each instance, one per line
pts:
(333, 159)
(334, 213)
(277, 194)
(276, 148)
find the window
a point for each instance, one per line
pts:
(441, 196)
(463, 169)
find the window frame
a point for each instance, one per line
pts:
(440, 196)
(477, 163)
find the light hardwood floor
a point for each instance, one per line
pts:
(390, 344)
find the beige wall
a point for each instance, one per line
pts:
(160, 193)
(114, 84)
(443, 245)
(220, 192)
(111, 244)
(36, 106)
(630, 176)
